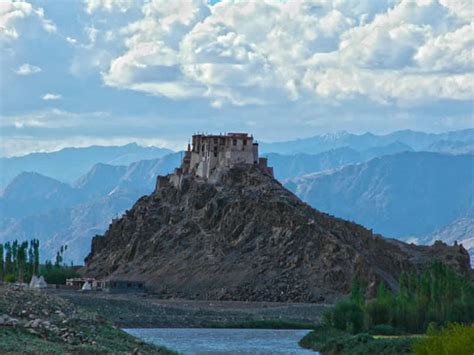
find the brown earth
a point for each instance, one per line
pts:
(243, 236)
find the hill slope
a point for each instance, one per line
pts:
(245, 237)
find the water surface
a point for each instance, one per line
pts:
(225, 341)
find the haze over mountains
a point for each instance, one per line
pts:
(406, 185)
(68, 164)
(35, 206)
(401, 195)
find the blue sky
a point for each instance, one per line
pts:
(75, 73)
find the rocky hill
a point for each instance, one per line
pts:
(241, 235)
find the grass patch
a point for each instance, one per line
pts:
(334, 341)
(263, 324)
(453, 339)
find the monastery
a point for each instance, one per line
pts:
(209, 152)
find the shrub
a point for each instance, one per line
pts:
(9, 278)
(347, 316)
(58, 275)
(378, 312)
(453, 339)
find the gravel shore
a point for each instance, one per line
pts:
(147, 311)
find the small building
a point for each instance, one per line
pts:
(119, 286)
(78, 282)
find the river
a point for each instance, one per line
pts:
(225, 341)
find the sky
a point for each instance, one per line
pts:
(109, 72)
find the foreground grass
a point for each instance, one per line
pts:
(454, 339)
(263, 324)
(333, 341)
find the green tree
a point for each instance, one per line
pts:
(9, 269)
(2, 266)
(15, 257)
(357, 293)
(36, 257)
(22, 261)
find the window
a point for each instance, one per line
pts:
(234, 141)
(245, 142)
(215, 151)
(222, 141)
(215, 140)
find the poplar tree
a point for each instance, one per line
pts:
(22, 261)
(2, 269)
(36, 256)
(9, 270)
(15, 257)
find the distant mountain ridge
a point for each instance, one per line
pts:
(36, 206)
(67, 164)
(406, 194)
(415, 140)
(287, 166)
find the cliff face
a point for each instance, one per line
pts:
(243, 236)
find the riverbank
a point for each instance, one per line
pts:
(148, 311)
(332, 341)
(33, 321)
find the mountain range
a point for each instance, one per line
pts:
(56, 213)
(382, 182)
(420, 141)
(68, 164)
(400, 195)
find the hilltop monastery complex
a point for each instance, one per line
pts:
(209, 152)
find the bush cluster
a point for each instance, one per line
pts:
(437, 296)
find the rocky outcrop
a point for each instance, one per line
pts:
(242, 236)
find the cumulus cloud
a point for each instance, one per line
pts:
(48, 97)
(108, 5)
(27, 69)
(19, 17)
(261, 52)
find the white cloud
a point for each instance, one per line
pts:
(245, 53)
(71, 40)
(108, 5)
(27, 69)
(51, 97)
(19, 17)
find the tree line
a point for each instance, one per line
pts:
(433, 298)
(19, 261)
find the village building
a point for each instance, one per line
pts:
(78, 282)
(208, 152)
(118, 285)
